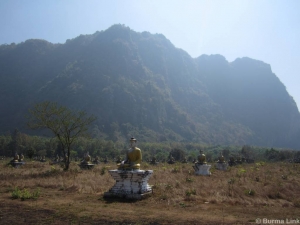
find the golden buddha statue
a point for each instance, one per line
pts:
(171, 159)
(133, 157)
(87, 157)
(21, 158)
(201, 158)
(16, 158)
(221, 158)
(96, 160)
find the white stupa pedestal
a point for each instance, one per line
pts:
(202, 169)
(221, 166)
(86, 165)
(16, 164)
(130, 184)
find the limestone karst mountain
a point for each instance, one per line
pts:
(140, 84)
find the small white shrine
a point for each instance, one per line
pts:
(201, 167)
(221, 164)
(130, 184)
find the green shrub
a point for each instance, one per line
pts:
(175, 169)
(103, 170)
(190, 192)
(25, 194)
(189, 179)
(16, 193)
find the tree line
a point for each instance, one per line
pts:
(18, 142)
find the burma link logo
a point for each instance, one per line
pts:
(272, 221)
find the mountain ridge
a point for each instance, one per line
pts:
(140, 84)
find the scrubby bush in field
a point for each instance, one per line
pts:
(25, 194)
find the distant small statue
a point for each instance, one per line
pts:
(43, 159)
(16, 158)
(200, 166)
(21, 159)
(96, 160)
(231, 161)
(153, 161)
(239, 160)
(221, 158)
(105, 160)
(17, 161)
(86, 158)
(184, 160)
(171, 160)
(86, 162)
(221, 164)
(201, 158)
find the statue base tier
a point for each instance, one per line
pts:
(221, 166)
(130, 184)
(86, 165)
(16, 163)
(202, 169)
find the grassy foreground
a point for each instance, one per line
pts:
(39, 193)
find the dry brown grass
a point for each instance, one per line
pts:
(237, 196)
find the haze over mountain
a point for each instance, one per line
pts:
(139, 84)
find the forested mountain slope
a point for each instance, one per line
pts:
(139, 84)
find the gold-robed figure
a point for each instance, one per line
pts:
(201, 158)
(221, 158)
(133, 157)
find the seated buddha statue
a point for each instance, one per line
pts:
(87, 158)
(221, 158)
(153, 160)
(184, 160)
(201, 158)
(239, 159)
(133, 157)
(21, 158)
(96, 160)
(16, 158)
(171, 159)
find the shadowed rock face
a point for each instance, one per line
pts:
(139, 81)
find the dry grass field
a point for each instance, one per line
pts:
(40, 193)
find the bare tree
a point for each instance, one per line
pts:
(65, 124)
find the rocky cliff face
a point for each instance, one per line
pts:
(140, 84)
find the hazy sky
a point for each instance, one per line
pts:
(266, 30)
